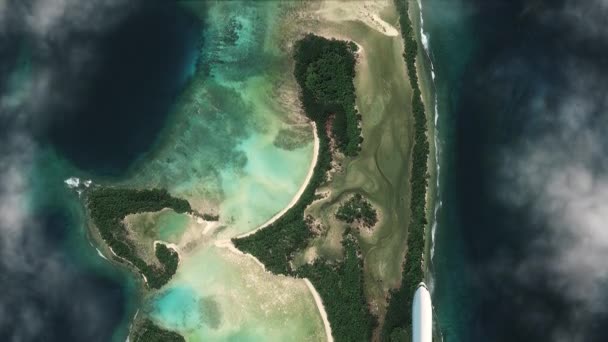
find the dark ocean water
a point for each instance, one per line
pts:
(513, 78)
(121, 106)
(87, 94)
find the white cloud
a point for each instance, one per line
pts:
(584, 19)
(37, 283)
(57, 19)
(560, 175)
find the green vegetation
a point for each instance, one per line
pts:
(325, 69)
(169, 259)
(149, 332)
(109, 206)
(357, 208)
(276, 244)
(340, 285)
(397, 318)
(210, 217)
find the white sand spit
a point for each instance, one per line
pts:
(321, 308)
(363, 11)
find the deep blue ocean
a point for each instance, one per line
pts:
(125, 100)
(522, 126)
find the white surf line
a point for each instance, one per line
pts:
(131, 325)
(132, 264)
(101, 254)
(439, 203)
(321, 308)
(296, 198)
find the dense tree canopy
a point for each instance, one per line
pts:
(341, 288)
(109, 206)
(357, 209)
(148, 332)
(325, 69)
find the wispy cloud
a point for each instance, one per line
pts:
(38, 283)
(583, 19)
(558, 172)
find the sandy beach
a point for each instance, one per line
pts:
(319, 303)
(363, 11)
(300, 191)
(230, 246)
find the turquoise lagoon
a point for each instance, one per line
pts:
(237, 145)
(218, 295)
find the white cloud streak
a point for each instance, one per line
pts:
(36, 281)
(584, 19)
(559, 173)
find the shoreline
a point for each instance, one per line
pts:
(426, 77)
(227, 244)
(321, 308)
(414, 266)
(296, 197)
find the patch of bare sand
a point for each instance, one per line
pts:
(364, 11)
(227, 244)
(319, 303)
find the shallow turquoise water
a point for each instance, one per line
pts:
(220, 153)
(218, 149)
(217, 295)
(171, 226)
(270, 183)
(177, 308)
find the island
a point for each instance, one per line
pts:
(324, 70)
(108, 207)
(398, 321)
